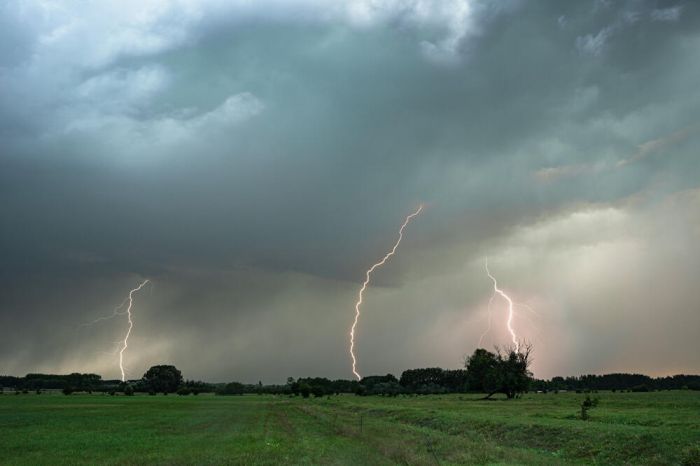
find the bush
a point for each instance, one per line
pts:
(129, 390)
(67, 390)
(587, 404)
(183, 391)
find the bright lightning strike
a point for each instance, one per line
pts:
(131, 325)
(364, 287)
(509, 323)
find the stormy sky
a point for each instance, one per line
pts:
(253, 159)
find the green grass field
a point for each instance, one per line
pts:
(625, 428)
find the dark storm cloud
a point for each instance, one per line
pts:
(254, 160)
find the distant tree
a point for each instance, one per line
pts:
(233, 388)
(386, 389)
(183, 391)
(163, 378)
(304, 389)
(129, 390)
(67, 390)
(434, 380)
(197, 387)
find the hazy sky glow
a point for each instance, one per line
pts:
(252, 159)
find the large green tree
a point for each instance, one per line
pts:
(479, 367)
(505, 371)
(163, 378)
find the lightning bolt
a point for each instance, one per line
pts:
(117, 312)
(368, 275)
(509, 323)
(130, 299)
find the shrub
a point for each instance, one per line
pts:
(67, 390)
(183, 391)
(587, 404)
(129, 390)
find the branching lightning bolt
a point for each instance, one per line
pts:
(366, 282)
(130, 299)
(509, 322)
(117, 312)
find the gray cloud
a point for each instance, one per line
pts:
(254, 160)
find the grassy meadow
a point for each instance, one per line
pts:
(625, 428)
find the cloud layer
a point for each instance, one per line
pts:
(253, 158)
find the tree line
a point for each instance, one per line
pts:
(500, 372)
(618, 381)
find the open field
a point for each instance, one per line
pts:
(626, 428)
